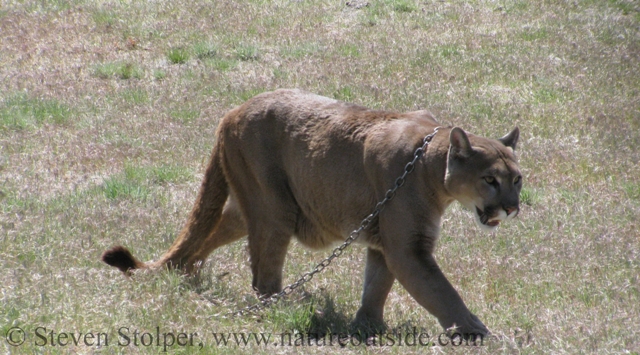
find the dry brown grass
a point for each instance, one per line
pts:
(103, 139)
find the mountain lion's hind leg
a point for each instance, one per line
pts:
(231, 228)
(377, 284)
(267, 249)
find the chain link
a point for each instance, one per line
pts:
(267, 301)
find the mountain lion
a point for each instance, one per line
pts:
(289, 164)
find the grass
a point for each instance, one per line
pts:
(115, 188)
(136, 181)
(159, 74)
(223, 64)
(185, 115)
(301, 50)
(404, 6)
(135, 96)
(107, 119)
(178, 55)
(121, 70)
(104, 18)
(247, 52)
(19, 111)
(205, 50)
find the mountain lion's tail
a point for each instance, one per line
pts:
(121, 258)
(201, 223)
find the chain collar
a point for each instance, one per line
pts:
(267, 301)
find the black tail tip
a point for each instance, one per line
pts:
(121, 258)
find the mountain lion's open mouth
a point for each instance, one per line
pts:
(484, 219)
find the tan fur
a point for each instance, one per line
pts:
(290, 163)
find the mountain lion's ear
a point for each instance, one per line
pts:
(511, 139)
(460, 145)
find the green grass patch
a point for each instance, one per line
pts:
(427, 57)
(135, 96)
(128, 71)
(51, 6)
(11, 202)
(120, 70)
(280, 74)
(106, 70)
(349, 50)
(529, 196)
(301, 50)
(19, 111)
(178, 55)
(403, 6)
(627, 7)
(516, 7)
(448, 50)
(369, 19)
(545, 96)
(156, 175)
(344, 93)
(247, 52)
(159, 74)
(293, 317)
(534, 34)
(244, 95)
(185, 115)
(122, 188)
(632, 190)
(421, 58)
(104, 18)
(481, 111)
(317, 315)
(165, 174)
(222, 64)
(136, 181)
(205, 50)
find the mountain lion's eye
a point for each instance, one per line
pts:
(490, 179)
(517, 179)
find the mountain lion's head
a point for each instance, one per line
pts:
(483, 175)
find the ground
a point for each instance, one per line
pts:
(107, 117)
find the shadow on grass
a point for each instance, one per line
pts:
(305, 318)
(313, 314)
(327, 318)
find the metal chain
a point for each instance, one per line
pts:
(267, 301)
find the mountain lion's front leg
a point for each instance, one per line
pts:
(420, 275)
